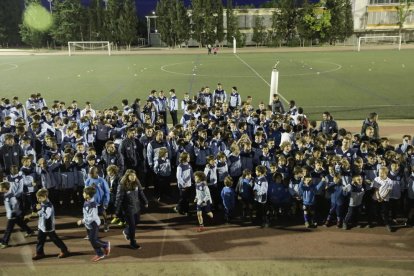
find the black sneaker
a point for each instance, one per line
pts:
(135, 246)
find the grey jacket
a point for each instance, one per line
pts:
(12, 205)
(90, 214)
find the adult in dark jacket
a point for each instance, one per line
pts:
(111, 157)
(328, 125)
(371, 121)
(128, 150)
(10, 154)
(128, 201)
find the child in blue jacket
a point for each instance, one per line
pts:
(308, 190)
(338, 200)
(260, 196)
(244, 190)
(229, 198)
(102, 194)
(278, 196)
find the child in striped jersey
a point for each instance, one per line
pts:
(211, 174)
(410, 194)
(383, 187)
(203, 198)
(162, 170)
(222, 169)
(398, 185)
(244, 190)
(260, 196)
(234, 163)
(184, 183)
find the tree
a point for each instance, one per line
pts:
(315, 22)
(29, 35)
(69, 17)
(95, 20)
(164, 22)
(232, 23)
(403, 11)
(218, 7)
(304, 30)
(205, 21)
(110, 21)
(259, 31)
(284, 22)
(349, 19)
(340, 21)
(127, 24)
(181, 23)
(173, 22)
(10, 18)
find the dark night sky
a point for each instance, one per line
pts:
(144, 7)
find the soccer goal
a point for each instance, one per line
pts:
(393, 41)
(89, 47)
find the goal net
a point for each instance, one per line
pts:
(89, 47)
(380, 41)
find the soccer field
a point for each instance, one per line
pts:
(348, 84)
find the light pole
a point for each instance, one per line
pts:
(50, 5)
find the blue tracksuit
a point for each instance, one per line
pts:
(229, 201)
(102, 194)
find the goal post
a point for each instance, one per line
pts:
(380, 40)
(89, 46)
(274, 82)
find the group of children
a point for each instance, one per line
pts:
(262, 165)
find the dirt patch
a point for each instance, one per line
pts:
(392, 129)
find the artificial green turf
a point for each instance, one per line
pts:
(348, 84)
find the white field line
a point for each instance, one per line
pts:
(13, 67)
(163, 68)
(315, 72)
(258, 75)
